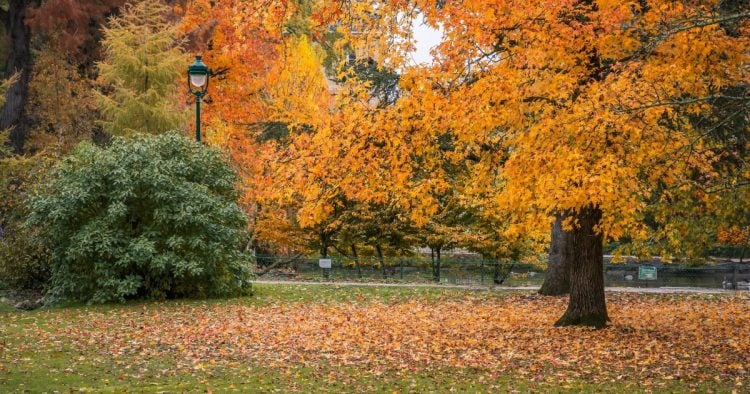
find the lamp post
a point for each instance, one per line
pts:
(198, 76)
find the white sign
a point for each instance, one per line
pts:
(324, 263)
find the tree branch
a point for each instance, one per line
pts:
(278, 263)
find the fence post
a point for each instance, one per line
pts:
(401, 266)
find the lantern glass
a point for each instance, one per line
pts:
(198, 80)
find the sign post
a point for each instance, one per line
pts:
(325, 264)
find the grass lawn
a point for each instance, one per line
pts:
(364, 339)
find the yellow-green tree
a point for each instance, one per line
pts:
(140, 72)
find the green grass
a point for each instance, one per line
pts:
(253, 378)
(57, 367)
(65, 372)
(4, 307)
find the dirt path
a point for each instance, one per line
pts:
(643, 290)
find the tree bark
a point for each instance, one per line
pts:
(323, 245)
(19, 61)
(435, 253)
(587, 305)
(380, 259)
(557, 278)
(324, 253)
(356, 261)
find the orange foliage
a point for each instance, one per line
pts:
(245, 44)
(547, 106)
(734, 235)
(565, 104)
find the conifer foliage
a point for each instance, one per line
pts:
(142, 66)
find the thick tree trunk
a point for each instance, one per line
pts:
(587, 305)
(557, 278)
(19, 61)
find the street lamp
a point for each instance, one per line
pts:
(198, 76)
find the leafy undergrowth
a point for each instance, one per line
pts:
(297, 338)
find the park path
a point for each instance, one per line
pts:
(642, 290)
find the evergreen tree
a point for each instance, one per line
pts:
(142, 64)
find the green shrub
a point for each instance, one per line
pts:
(152, 217)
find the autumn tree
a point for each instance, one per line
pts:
(581, 112)
(272, 98)
(73, 24)
(19, 61)
(62, 107)
(244, 43)
(140, 71)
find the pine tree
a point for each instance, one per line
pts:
(142, 65)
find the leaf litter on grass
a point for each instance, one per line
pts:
(651, 338)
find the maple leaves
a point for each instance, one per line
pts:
(588, 100)
(689, 338)
(734, 235)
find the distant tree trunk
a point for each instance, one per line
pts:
(356, 261)
(587, 305)
(557, 278)
(19, 61)
(380, 259)
(497, 277)
(324, 252)
(435, 254)
(323, 245)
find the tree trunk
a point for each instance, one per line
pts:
(587, 305)
(380, 259)
(557, 278)
(324, 253)
(19, 61)
(323, 245)
(435, 253)
(356, 261)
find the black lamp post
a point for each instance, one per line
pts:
(198, 76)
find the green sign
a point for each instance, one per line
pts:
(646, 272)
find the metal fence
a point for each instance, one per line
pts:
(479, 272)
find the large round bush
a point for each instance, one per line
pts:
(146, 216)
